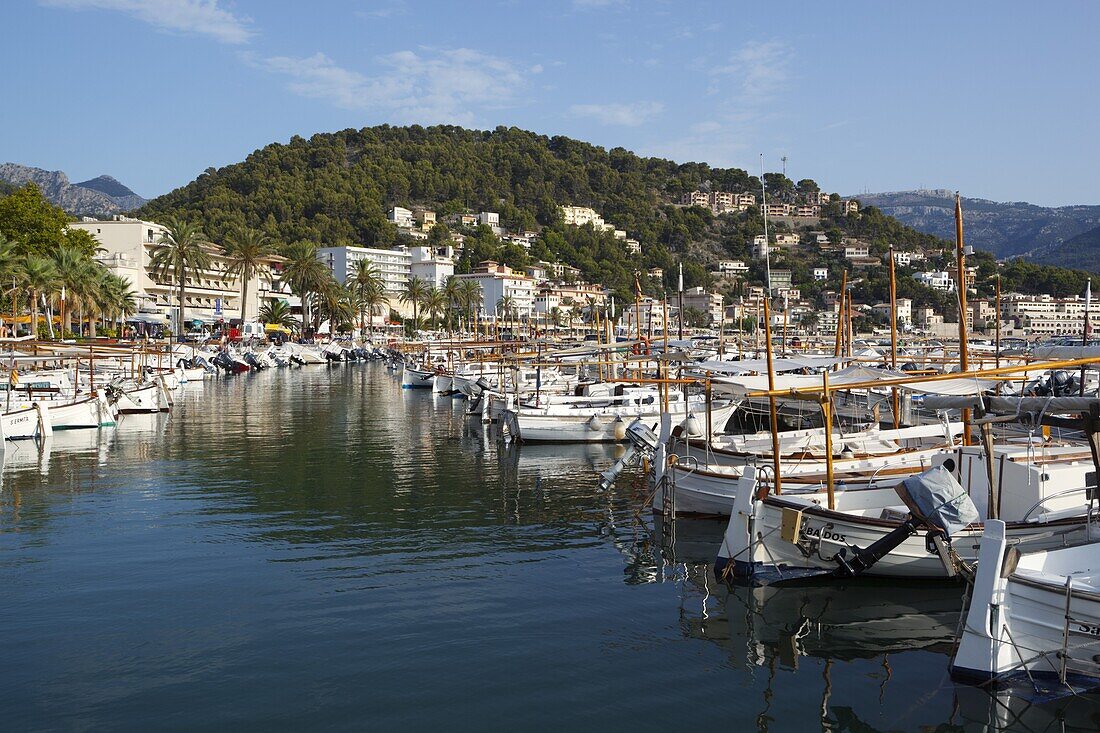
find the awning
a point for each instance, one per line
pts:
(148, 318)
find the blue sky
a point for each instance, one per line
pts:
(996, 99)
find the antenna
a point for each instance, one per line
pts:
(784, 159)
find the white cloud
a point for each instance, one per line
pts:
(596, 4)
(202, 17)
(629, 115)
(759, 69)
(389, 9)
(429, 86)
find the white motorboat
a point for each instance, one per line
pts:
(1035, 614)
(604, 419)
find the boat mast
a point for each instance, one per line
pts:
(777, 484)
(964, 352)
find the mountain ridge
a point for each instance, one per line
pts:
(1007, 229)
(100, 196)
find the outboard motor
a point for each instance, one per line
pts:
(643, 442)
(936, 502)
(253, 362)
(296, 360)
(224, 361)
(1062, 383)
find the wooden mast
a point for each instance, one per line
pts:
(964, 351)
(840, 313)
(894, 336)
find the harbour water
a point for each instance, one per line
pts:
(321, 550)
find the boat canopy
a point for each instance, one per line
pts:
(855, 374)
(784, 364)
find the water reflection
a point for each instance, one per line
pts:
(875, 652)
(319, 549)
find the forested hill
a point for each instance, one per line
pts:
(336, 188)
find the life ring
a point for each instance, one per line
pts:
(638, 349)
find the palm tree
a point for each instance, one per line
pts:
(248, 251)
(470, 296)
(556, 317)
(39, 278)
(435, 305)
(452, 292)
(182, 247)
(572, 312)
(370, 299)
(277, 312)
(367, 285)
(305, 274)
(334, 304)
(414, 293)
(79, 282)
(116, 299)
(506, 306)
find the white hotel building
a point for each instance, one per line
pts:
(393, 265)
(210, 295)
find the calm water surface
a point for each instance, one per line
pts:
(316, 549)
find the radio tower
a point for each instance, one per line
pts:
(784, 159)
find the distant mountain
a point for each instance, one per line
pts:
(100, 196)
(1005, 229)
(112, 187)
(1083, 251)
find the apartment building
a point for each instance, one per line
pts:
(433, 265)
(708, 303)
(696, 198)
(498, 281)
(937, 279)
(781, 279)
(821, 273)
(1043, 315)
(904, 310)
(401, 217)
(649, 314)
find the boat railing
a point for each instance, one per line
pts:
(1087, 489)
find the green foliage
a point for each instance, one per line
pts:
(38, 227)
